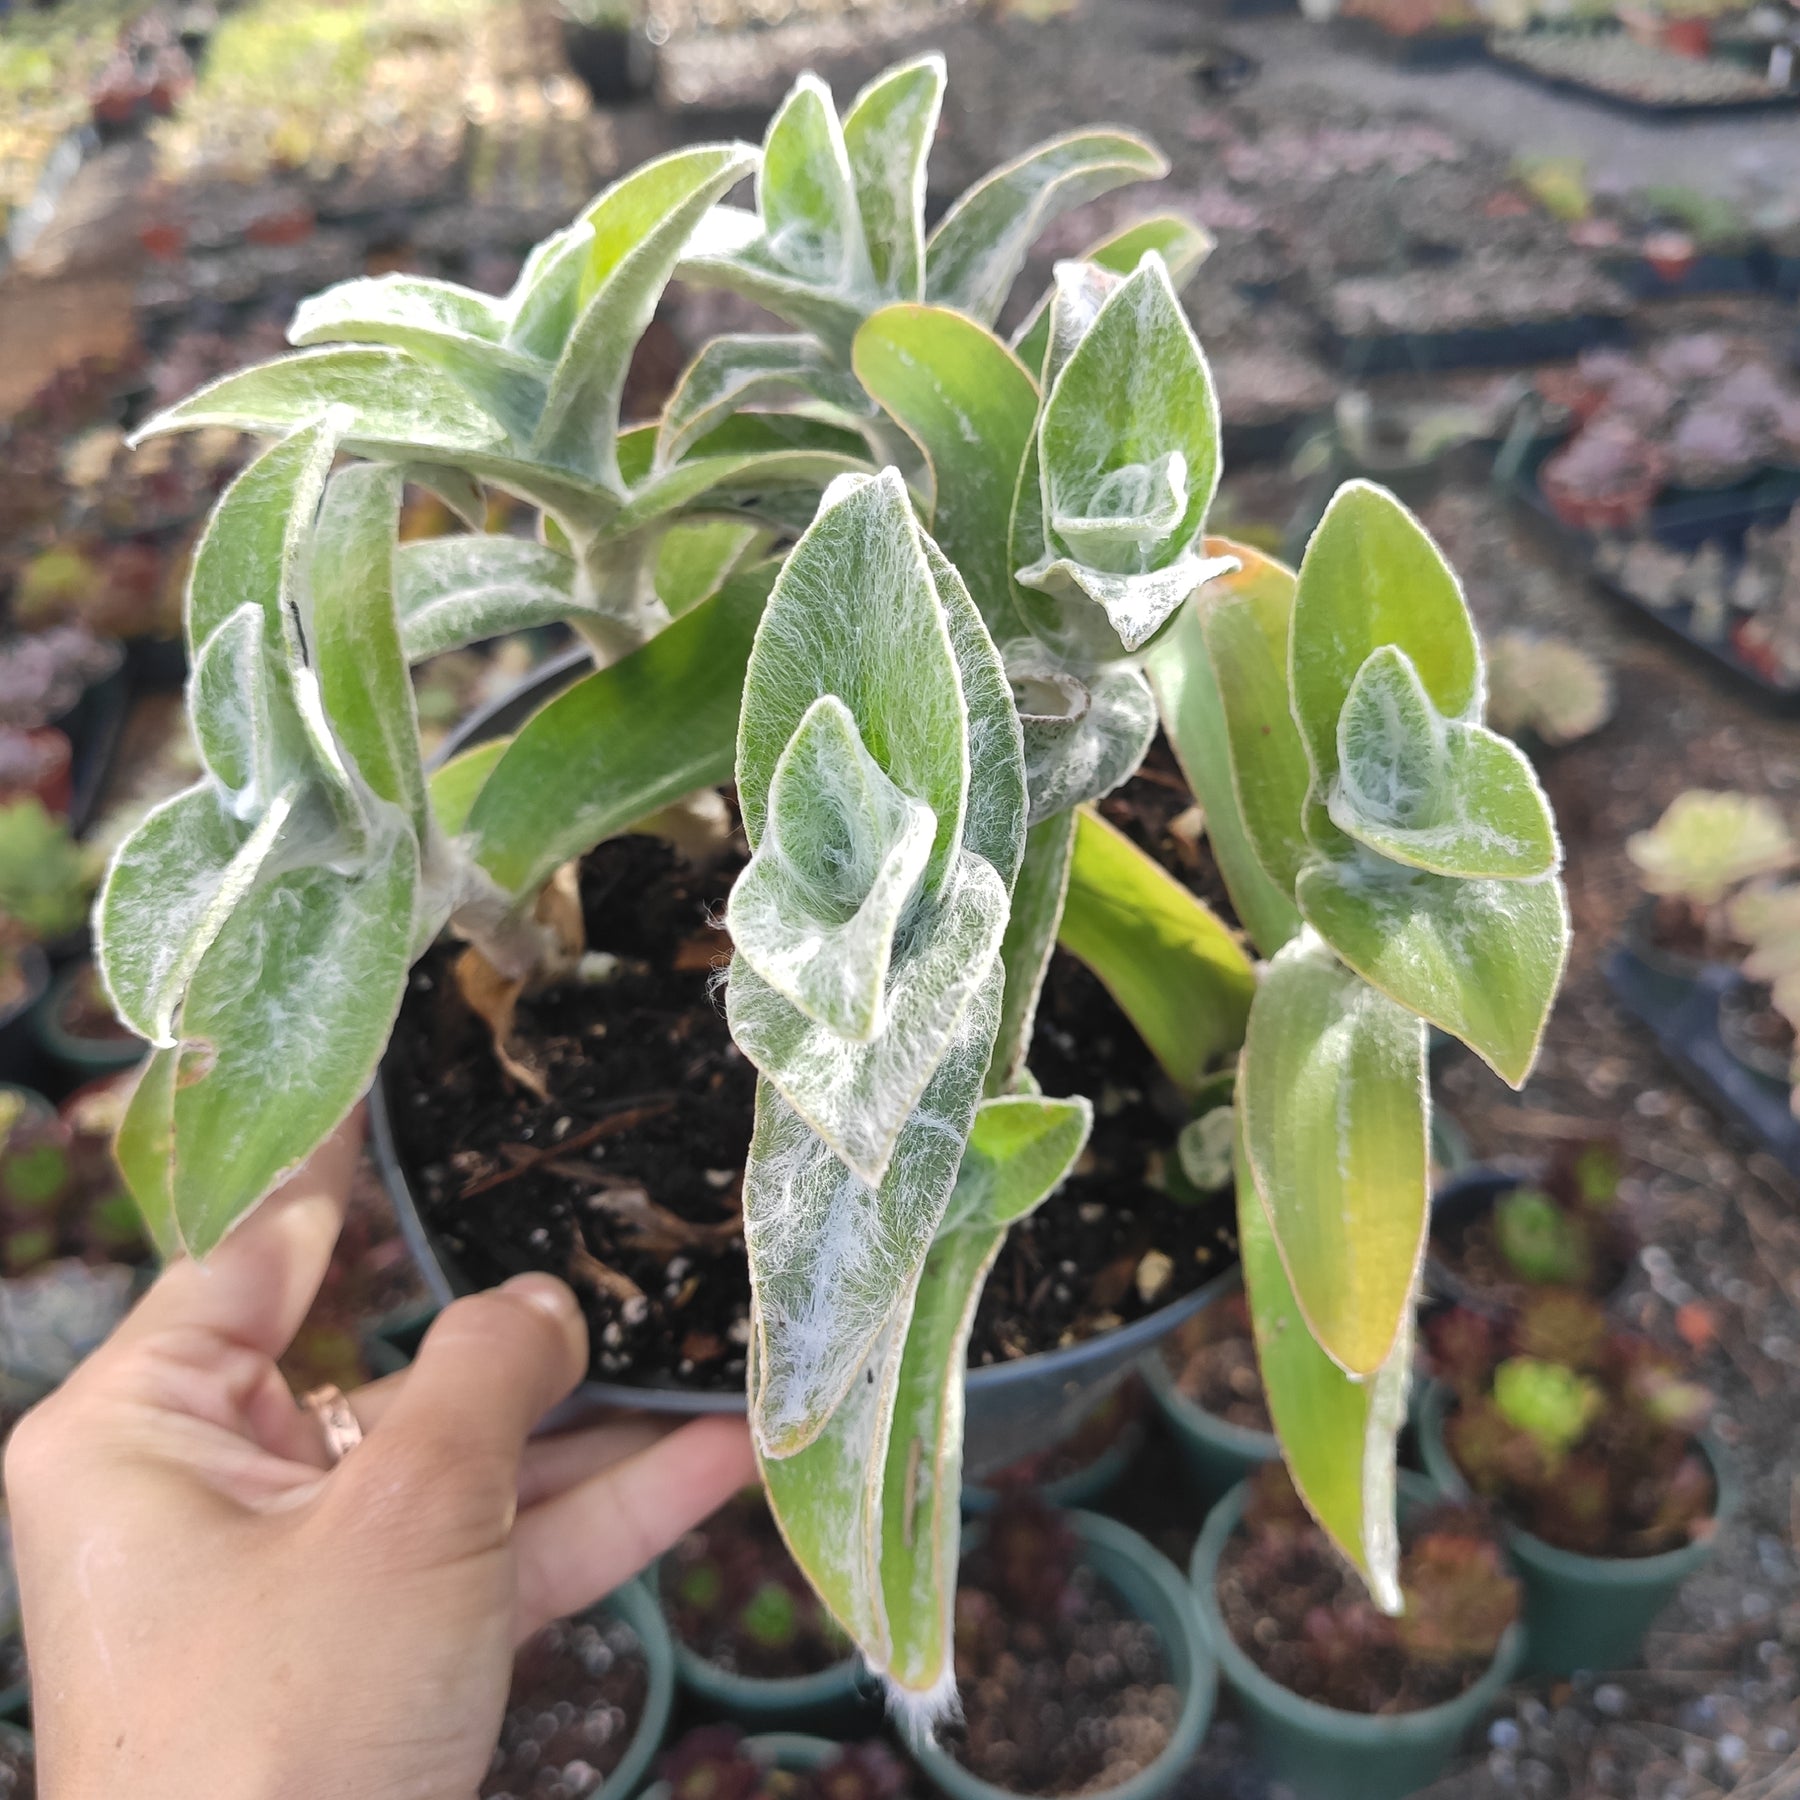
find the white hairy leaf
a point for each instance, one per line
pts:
(981, 244)
(457, 589)
(842, 852)
(887, 138)
(832, 1255)
(733, 372)
(1084, 735)
(859, 1096)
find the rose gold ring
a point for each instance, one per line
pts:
(338, 1425)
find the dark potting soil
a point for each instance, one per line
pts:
(1213, 1361)
(1062, 1690)
(1303, 1616)
(737, 1599)
(628, 1180)
(1473, 1257)
(578, 1693)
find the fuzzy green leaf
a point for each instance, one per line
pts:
(171, 887)
(1020, 1151)
(144, 1149)
(1337, 1435)
(1478, 959)
(255, 542)
(980, 245)
(969, 405)
(394, 402)
(698, 556)
(842, 851)
(458, 589)
(282, 1026)
(354, 635)
(1128, 460)
(457, 784)
(834, 1257)
(737, 371)
(621, 744)
(858, 1094)
(450, 329)
(1332, 1089)
(887, 137)
(888, 657)
(231, 712)
(1370, 577)
(1031, 928)
(1441, 795)
(1182, 245)
(1174, 969)
(640, 228)
(1084, 734)
(1220, 675)
(871, 1506)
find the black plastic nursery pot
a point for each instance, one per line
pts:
(80, 1058)
(19, 1055)
(1216, 1454)
(615, 63)
(1012, 1409)
(1478, 347)
(1460, 1202)
(1582, 1612)
(1150, 1587)
(1686, 1029)
(1442, 48)
(1320, 1751)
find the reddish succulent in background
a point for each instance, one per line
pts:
(1297, 1610)
(1605, 478)
(1585, 1434)
(1028, 1556)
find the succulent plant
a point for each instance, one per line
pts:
(1541, 1242)
(1708, 843)
(43, 674)
(1548, 686)
(46, 878)
(1584, 1433)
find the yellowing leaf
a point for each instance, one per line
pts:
(1332, 1090)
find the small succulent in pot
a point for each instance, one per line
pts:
(1706, 845)
(1290, 1605)
(1584, 1434)
(714, 1762)
(1547, 687)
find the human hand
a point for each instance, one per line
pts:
(213, 1610)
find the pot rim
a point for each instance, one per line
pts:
(1424, 1725)
(1118, 1543)
(34, 965)
(1618, 1571)
(1190, 1415)
(636, 1605)
(840, 1680)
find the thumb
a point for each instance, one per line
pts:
(450, 1444)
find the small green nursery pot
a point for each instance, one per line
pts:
(636, 1605)
(838, 1698)
(84, 1057)
(1323, 1753)
(1083, 1487)
(1217, 1454)
(1582, 1612)
(792, 1752)
(1149, 1586)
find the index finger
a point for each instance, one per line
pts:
(255, 1289)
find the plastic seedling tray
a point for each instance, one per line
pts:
(1687, 1033)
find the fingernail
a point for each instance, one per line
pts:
(550, 1296)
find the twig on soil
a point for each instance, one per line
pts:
(633, 1110)
(655, 1228)
(585, 1266)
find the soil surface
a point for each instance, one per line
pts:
(1063, 1691)
(628, 1180)
(18, 1770)
(577, 1695)
(734, 1596)
(1299, 1612)
(1213, 1360)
